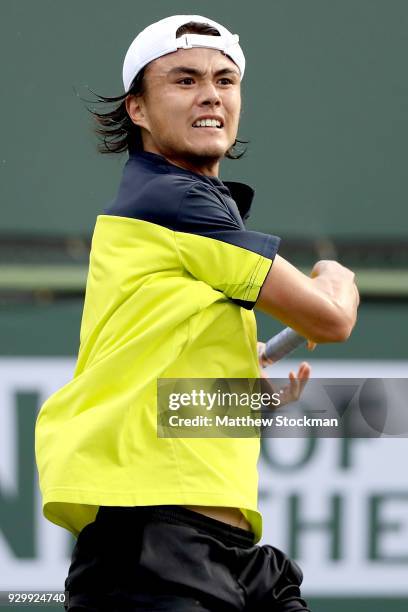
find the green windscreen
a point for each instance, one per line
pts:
(324, 110)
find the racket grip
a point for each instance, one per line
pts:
(283, 343)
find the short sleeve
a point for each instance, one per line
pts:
(215, 247)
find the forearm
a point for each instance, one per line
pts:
(322, 308)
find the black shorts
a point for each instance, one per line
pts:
(172, 559)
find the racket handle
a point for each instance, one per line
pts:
(283, 343)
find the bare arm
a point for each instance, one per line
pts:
(322, 307)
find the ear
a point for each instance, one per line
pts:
(135, 110)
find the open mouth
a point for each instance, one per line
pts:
(208, 123)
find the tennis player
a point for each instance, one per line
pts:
(172, 523)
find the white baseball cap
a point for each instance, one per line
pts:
(160, 38)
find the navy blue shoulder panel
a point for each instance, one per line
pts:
(161, 193)
(184, 202)
(204, 211)
(156, 200)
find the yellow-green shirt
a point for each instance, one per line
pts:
(173, 278)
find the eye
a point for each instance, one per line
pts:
(225, 81)
(186, 81)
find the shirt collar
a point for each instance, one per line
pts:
(241, 193)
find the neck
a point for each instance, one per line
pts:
(207, 166)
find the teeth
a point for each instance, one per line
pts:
(207, 123)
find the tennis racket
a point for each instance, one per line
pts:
(282, 344)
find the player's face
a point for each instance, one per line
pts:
(184, 90)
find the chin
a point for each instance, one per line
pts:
(209, 152)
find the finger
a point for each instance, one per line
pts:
(267, 360)
(303, 370)
(294, 387)
(304, 374)
(264, 361)
(260, 347)
(304, 366)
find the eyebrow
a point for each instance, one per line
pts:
(200, 73)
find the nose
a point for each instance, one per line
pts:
(209, 95)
